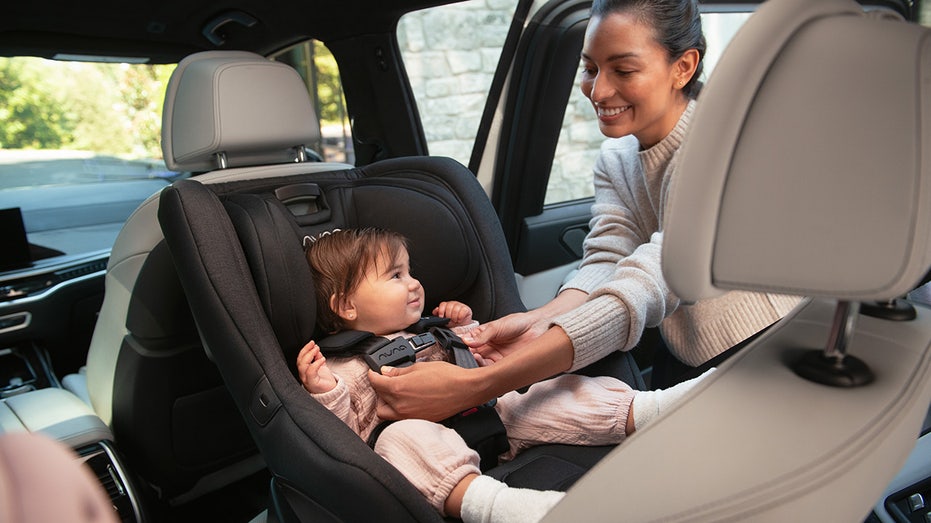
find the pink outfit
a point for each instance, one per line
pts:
(570, 409)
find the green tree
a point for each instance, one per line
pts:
(31, 116)
(104, 108)
(142, 91)
(329, 87)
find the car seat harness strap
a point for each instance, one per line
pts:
(480, 426)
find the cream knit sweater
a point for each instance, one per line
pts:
(622, 274)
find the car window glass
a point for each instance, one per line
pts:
(80, 142)
(317, 66)
(79, 148)
(450, 53)
(580, 139)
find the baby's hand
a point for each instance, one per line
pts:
(313, 371)
(482, 360)
(458, 313)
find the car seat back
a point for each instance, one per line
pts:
(147, 375)
(806, 170)
(237, 247)
(240, 246)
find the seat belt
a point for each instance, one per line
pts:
(480, 426)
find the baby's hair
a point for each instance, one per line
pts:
(338, 262)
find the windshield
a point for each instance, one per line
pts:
(79, 149)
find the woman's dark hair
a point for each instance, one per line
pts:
(676, 24)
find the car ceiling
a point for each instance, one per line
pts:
(164, 31)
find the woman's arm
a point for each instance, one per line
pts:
(623, 214)
(437, 390)
(493, 340)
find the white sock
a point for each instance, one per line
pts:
(649, 404)
(488, 499)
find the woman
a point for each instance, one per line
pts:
(641, 61)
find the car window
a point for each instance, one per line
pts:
(450, 53)
(80, 143)
(579, 140)
(316, 65)
(79, 148)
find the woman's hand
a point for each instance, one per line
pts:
(436, 390)
(432, 391)
(497, 339)
(313, 371)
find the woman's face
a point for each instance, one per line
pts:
(629, 78)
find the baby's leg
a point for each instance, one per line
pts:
(445, 470)
(435, 459)
(570, 409)
(487, 500)
(648, 405)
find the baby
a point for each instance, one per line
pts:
(363, 283)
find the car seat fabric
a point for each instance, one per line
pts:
(235, 242)
(238, 250)
(315, 457)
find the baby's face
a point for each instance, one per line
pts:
(389, 299)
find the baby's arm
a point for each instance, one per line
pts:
(458, 313)
(313, 371)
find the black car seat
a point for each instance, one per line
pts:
(147, 375)
(807, 171)
(237, 247)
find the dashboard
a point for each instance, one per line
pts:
(47, 316)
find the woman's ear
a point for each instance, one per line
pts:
(685, 66)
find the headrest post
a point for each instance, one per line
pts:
(300, 154)
(845, 322)
(221, 160)
(833, 366)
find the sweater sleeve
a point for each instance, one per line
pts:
(636, 296)
(337, 400)
(619, 221)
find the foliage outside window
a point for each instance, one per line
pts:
(104, 108)
(317, 66)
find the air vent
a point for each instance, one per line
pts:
(36, 284)
(111, 483)
(77, 272)
(103, 463)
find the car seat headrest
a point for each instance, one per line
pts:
(237, 104)
(807, 166)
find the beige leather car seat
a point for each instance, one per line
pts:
(147, 374)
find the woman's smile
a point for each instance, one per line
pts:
(607, 114)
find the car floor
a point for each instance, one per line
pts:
(239, 502)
